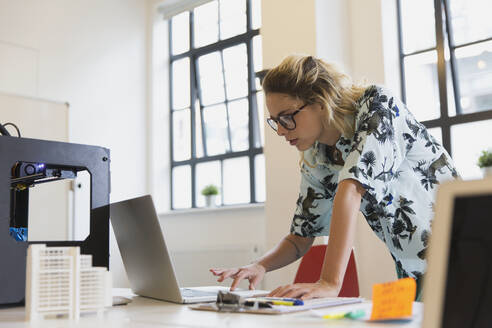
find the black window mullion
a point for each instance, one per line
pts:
(192, 114)
(418, 52)
(441, 71)
(229, 132)
(249, 16)
(252, 113)
(222, 182)
(229, 100)
(473, 43)
(196, 83)
(252, 191)
(454, 73)
(446, 137)
(221, 44)
(199, 95)
(460, 119)
(192, 30)
(195, 56)
(220, 157)
(193, 185)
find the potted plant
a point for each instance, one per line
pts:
(485, 163)
(210, 192)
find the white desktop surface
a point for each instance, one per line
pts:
(145, 312)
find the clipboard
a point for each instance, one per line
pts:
(280, 309)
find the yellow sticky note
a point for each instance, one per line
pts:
(393, 300)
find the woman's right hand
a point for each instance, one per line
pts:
(253, 272)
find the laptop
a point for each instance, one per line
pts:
(146, 258)
(458, 282)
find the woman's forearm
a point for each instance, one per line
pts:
(342, 231)
(288, 250)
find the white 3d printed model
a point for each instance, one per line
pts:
(60, 281)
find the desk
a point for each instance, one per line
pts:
(145, 312)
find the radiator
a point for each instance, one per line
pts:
(192, 266)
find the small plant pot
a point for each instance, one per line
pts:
(210, 200)
(487, 171)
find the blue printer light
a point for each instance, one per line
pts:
(19, 234)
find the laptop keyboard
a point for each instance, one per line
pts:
(185, 292)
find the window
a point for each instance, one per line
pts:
(216, 104)
(446, 69)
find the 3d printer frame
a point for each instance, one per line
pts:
(18, 171)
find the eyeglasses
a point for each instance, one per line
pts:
(286, 120)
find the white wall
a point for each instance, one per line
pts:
(366, 40)
(333, 33)
(91, 54)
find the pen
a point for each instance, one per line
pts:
(288, 303)
(294, 301)
(280, 299)
(275, 301)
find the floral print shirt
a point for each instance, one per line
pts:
(397, 162)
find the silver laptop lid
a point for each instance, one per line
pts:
(144, 252)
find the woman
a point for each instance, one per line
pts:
(361, 149)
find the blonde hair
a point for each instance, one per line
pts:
(315, 81)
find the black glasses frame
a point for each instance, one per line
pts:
(273, 122)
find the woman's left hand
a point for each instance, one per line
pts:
(307, 291)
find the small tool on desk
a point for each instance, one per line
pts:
(227, 301)
(230, 302)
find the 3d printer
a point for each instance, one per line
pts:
(25, 163)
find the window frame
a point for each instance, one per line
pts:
(253, 120)
(445, 122)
